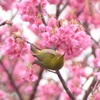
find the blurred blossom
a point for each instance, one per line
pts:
(77, 71)
(69, 39)
(64, 96)
(49, 90)
(3, 95)
(7, 4)
(74, 85)
(96, 96)
(15, 49)
(28, 10)
(77, 5)
(28, 75)
(56, 1)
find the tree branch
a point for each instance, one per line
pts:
(58, 13)
(11, 80)
(41, 12)
(90, 88)
(36, 85)
(71, 95)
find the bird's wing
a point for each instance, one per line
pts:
(43, 56)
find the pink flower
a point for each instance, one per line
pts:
(15, 49)
(55, 1)
(4, 95)
(74, 86)
(64, 96)
(96, 96)
(22, 73)
(49, 90)
(77, 71)
(6, 29)
(28, 75)
(37, 28)
(69, 39)
(28, 89)
(29, 11)
(52, 21)
(77, 5)
(89, 13)
(7, 4)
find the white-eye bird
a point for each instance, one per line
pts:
(48, 58)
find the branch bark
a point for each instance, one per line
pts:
(36, 85)
(71, 95)
(90, 88)
(11, 80)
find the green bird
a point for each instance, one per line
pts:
(48, 58)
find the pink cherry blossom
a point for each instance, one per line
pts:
(3, 79)
(88, 14)
(7, 30)
(28, 9)
(3, 95)
(56, 1)
(7, 4)
(52, 22)
(74, 85)
(53, 1)
(68, 39)
(77, 71)
(77, 5)
(28, 89)
(97, 96)
(49, 90)
(64, 96)
(28, 75)
(37, 28)
(14, 49)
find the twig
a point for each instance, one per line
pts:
(36, 85)
(71, 95)
(40, 10)
(11, 80)
(58, 13)
(89, 89)
(57, 8)
(8, 22)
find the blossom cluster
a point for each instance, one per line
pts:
(29, 10)
(7, 4)
(14, 48)
(67, 32)
(67, 38)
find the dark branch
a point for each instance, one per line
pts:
(58, 13)
(11, 80)
(41, 12)
(71, 95)
(90, 89)
(36, 85)
(6, 22)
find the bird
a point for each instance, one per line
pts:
(48, 58)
